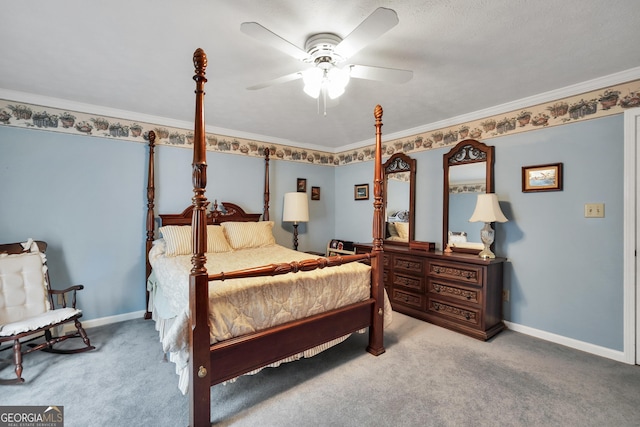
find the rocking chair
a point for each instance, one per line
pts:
(28, 306)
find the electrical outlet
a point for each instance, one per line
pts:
(505, 295)
(594, 210)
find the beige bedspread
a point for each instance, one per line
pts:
(241, 306)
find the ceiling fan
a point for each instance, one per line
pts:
(327, 53)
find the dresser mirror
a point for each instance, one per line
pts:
(399, 195)
(468, 170)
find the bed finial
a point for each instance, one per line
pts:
(200, 63)
(377, 112)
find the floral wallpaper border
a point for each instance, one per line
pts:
(598, 103)
(468, 188)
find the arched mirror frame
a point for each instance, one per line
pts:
(465, 152)
(399, 163)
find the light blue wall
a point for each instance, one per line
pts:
(564, 271)
(86, 196)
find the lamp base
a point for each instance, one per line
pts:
(486, 235)
(295, 236)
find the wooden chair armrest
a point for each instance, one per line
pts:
(69, 289)
(62, 299)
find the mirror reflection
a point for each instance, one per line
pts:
(399, 188)
(468, 171)
(466, 181)
(397, 210)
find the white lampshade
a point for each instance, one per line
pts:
(296, 207)
(488, 209)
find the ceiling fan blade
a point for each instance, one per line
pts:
(391, 75)
(284, 79)
(259, 32)
(375, 25)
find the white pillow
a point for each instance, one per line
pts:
(391, 227)
(402, 228)
(178, 239)
(245, 235)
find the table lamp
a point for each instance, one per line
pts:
(487, 211)
(296, 209)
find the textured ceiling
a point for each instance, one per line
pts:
(466, 56)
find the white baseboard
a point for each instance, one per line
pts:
(569, 342)
(105, 320)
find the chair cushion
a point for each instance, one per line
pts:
(32, 323)
(23, 288)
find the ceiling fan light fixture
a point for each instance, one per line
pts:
(312, 79)
(333, 80)
(338, 77)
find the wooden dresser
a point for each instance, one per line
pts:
(457, 291)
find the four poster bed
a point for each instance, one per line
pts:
(271, 304)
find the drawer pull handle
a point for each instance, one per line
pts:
(468, 296)
(467, 316)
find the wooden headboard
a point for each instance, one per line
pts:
(230, 212)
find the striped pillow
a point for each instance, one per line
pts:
(245, 235)
(178, 239)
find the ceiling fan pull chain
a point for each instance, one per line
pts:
(324, 101)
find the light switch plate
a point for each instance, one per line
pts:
(594, 210)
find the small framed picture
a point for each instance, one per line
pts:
(301, 185)
(542, 178)
(315, 193)
(361, 192)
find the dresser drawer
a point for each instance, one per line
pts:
(413, 283)
(408, 264)
(407, 298)
(442, 288)
(467, 273)
(468, 315)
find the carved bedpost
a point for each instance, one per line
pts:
(151, 194)
(376, 343)
(199, 361)
(265, 210)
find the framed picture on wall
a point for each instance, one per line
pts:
(361, 192)
(302, 185)
(542, 178)
(315, 193)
